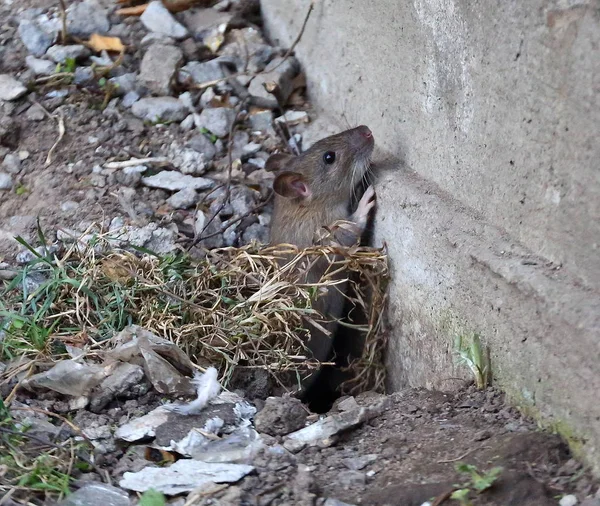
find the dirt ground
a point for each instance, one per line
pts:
(405, 456)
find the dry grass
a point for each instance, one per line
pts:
(237, 308)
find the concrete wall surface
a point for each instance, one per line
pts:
(488, 114)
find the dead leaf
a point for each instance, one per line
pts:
(101, 43)
(136, 10)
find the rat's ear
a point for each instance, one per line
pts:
(277, 162)
(291, 185)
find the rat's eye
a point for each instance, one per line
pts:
(329, 157)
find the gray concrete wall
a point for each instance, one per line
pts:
(488, 114)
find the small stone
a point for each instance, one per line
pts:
(256, 233)
(351, 479)
(40, 67)
(11, 164)
(69, 206)
(250, 149)
(187, 161)
(157, 18)
(257, 162)
(6, 182)
(130, 98)
(10, 132)
(131, 176)
(188, 123)
(293, 118)
(10, 88)
(203, 145)
(35, 38)
(60, 54)
(172, 180)
(155, 38)
(217, 121)
(160, 109)
(86, 18)
(183, 199)
(98, 180)
(358, 463)
(198, 73)
(262, 121)
(568, 500)
(103, 60)
(83, 75)
(280, 416)
(97, 494)
(158, 68)
(23, 155)
(282, 75)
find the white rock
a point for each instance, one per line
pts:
(158, 67)
(217, 120)
(144, 426)
(40, 67)
(10, 88)
(60, 54)
(568, 500)
(35, 38)
(186, 160)
(172, 180)
(183, 199)
(157, 18)
(184, 476)
(160, 109)
(6, 181)
(293, 117)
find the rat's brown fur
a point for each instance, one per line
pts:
(310, 194)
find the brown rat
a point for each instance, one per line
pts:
(313, 190)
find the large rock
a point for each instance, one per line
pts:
(160, 109)
(158, 68)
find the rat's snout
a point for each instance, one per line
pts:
(365, 131)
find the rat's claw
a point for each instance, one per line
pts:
(367, 202)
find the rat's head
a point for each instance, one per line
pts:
(326, 172)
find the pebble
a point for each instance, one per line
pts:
(69, 206)
(358, 463)
(217, 120)
(40, 67)
(130, 98)
(262, 121)
(97, 494)
(203, 145)
(257, 233)
(124, 83)
(34, 37)
(199, 73)
(172, 180)
(83, 75)
(568, 500)
(10, 88)
(86, 18)
(6, 181)
(280, 416)
(350, 479)
(187, 161)
(154, 38)
(183, 199)
(131, 176)
(160, 109)
(188, 123)
(60, 54)
(157, 18)
(250, 149)
(11, 164)
(159, 66)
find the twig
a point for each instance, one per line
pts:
(63, 17)
(440, 499)
(61, 134)
(137, 161)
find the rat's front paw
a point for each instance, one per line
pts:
(367, 202)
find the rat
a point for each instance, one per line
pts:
(314, 190)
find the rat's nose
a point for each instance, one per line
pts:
(365, 131)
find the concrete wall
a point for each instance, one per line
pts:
(488, 114)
